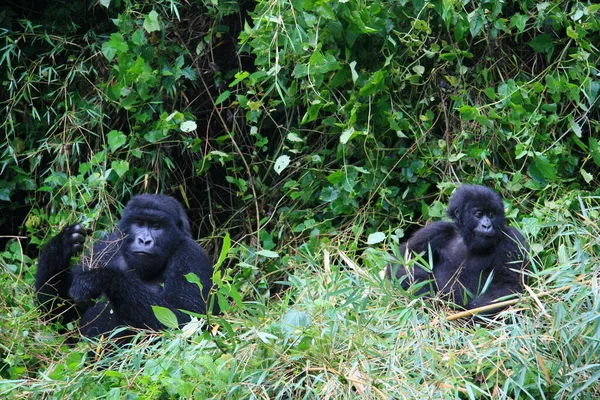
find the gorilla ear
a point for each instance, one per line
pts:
(184, 225)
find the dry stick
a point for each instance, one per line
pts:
(469, 313)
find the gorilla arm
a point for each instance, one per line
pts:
(431, 237)
(53, 277)
(132, 298)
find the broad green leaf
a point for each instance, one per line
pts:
(294, 320)
(376, 237)
(151, 23)
(293, 137)
(542, 43)
(188, 126)
(476, 21)
(519, 21)
(468, 112)
(281, 163)
(115, 45)
(115, 139)
(222, 97)
(267, 253)
(542, 170)
(587, 177)
(156, 135)
(165, 317)
(120, 167)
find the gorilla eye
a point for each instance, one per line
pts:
(478, 214)
(156, 226)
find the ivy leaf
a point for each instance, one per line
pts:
(188, 126)
(165, 317)
(281, 163)
(115, 45)
(587, 177)
(151, 23)
(519, 21)
(542, 43)
(293, 137)
(120, 167)
(376, 237)
(116, 139)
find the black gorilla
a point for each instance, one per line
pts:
(475, 260)
(141, 264)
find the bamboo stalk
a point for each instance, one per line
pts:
(502, 304)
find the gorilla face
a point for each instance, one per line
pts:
(150, 239)
(478, 213)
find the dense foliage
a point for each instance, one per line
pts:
(305, 138)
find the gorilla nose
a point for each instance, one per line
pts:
(145, 242)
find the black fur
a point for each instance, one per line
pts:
(476, 260)
(141, 264)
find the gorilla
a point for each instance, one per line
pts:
(141, 264)
(475, 260)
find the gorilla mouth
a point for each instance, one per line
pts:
(141, 253)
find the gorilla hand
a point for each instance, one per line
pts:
(74, 238)
(85, 286)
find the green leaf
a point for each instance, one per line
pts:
(115, 45)
(116, 139)
(587, 177)
(595, 150)
(294, 320)
(188, 126)
(156, 135)
(281, 163)
(224, 250)
(120, 167)
(542, 43)
(476, 21)
(151, 23)
(468, 113)
(519, 21)
(267, 253)
(139, 37)
(165, 317)
(541, 170)
(222, 97)
(376, 237)
(293, 137)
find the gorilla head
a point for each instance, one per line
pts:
(153, 226)
(478, 213)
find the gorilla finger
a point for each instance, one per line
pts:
(77, 247)
(78, 237)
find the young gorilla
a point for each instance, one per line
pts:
(475, 260)
(141, 264)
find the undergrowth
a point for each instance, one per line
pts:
(305, 139)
